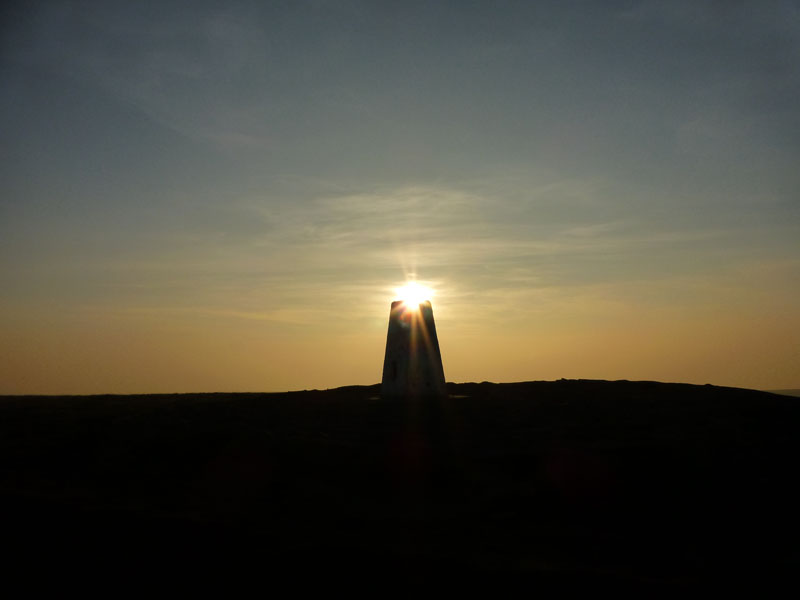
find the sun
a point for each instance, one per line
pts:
(414, 294)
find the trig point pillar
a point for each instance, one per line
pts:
(412, 367)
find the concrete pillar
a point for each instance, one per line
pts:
(412, 366)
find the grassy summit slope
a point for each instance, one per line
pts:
(568, 485)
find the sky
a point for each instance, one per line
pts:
(223, 196)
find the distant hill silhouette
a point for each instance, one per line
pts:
(786, 392)
(568, 486)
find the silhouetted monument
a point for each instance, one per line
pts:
(413, 363)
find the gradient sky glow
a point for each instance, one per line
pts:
(224, 196)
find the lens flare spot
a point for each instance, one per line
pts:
(413, 294)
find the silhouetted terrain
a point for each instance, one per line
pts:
(569, 485)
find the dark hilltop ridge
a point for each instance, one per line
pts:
(568, 486)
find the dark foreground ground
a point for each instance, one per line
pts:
(568, 486)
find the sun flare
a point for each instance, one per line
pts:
(414, 294)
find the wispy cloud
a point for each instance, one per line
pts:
(343, 250)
